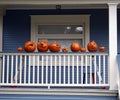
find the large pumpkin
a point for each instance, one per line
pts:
(92, 46)
(102, 48)
(42, 46)
(75, 47)
(29, 46)
(54, 47)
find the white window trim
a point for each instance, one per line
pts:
(60, 20)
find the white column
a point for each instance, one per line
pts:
(113, 67)
(1, 36)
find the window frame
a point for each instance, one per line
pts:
(60, 20)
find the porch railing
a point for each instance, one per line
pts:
(54, 69)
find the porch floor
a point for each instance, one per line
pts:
(59, 91)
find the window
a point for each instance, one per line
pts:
(63, 29)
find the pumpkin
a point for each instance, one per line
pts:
(64, 49)
(54, 47)
(92, 46)
(83, 50)
(102, 48)
(19, 49)
(29, 46)
(75, 47)
(42, 46)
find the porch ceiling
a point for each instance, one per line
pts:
(51, 4)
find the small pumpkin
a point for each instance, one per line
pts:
(64, 49)
(29, 46)
(75, 47)
(83, 50)
(102, 48)
(19, 49)
(54, 47)
(42, 46)
(92, 46)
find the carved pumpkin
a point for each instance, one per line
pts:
(54, 47)
(42, 46)
(102, 48)
(92, 46)
(19, 49)
(29, 46)
(64, 49)
(83, 50)
(75, 47)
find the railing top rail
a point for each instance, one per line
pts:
(56, 53)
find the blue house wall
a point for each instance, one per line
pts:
(17, 26)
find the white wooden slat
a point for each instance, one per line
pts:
(99, 70)
(12, 60)
(90, 69)
(16, 70)
(51, 66)
(86, 72)
(77, 71)
(81, 69)
(46, 69)
(38, 69)
(20, 76)
(68, 68)
(95, 70)
(55, 69)
(104, 70)
(73, 69)
(29, 70)
(59, 69)
(25, 65)
(3, 69)
(42, 79)
(64, 74)
(33, 65)
(7, 78)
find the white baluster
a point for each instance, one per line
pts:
(12, 69)
(59, 69)
(29, 69)
(77, 71)
(51, 66)
(64, 69)
(7, 68)
(33, 69)
(38, 68)
(55, 69)
(20, 69)
(25, 68)
(68, 69)
(3, 69)
(90, 69)
(104, 70)
(86, 70)
(73, 69)
(81, 69)
(42, 69)
(46, 69)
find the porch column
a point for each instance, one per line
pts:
(113, 67)
(1, 36)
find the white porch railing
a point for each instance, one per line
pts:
(54, 69)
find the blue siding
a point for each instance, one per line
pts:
(54, 97)
(17, 26)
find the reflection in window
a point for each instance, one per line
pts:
(60, 29)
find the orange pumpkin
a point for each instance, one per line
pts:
(64, 49)
(102, 48)
(83, 50)
(54, 47)
(42, 46)
(29, 46)
(19, 49)
(75, 47)
(92, 46)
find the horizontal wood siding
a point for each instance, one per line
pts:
(54, 97)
